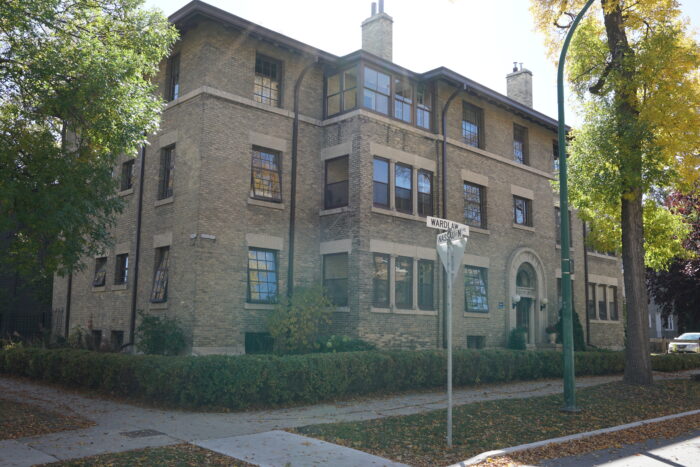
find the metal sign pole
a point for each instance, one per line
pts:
(448, 312)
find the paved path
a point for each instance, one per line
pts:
(116, 422)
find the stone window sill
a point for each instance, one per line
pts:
(523, 227)
(401, 215)
(258, 306)
(265, 204)
(380, 310)
(472, 314)
(101, 288)
(418, 312)
(328, 212)
(158, 306)
(605, 321)
(126, 192)
(161, 202)
(120, 286)
(479, 230)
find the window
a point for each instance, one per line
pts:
(172, 90)
(612, 306)
(476, 342)
(265, 178)
(555, 156)
(336, 193)
(167, 171)
(602, 302)
(591, 305)
(474, 205)
(127, 179)
(475, 290)
(425, 193)
(426, 284)
(262, 276)
(159, 293)
(557, 228)
(381, 182)
(520, 144)
(473, 125)
(403, 282)
(380, 280)
(423, 106)
(522, 211)
(267, 81)
(335, 278)
(258, 342)
(403, 101)
(116, 340)
(667, 322)
(341, 92)
(376, 91)
(403, 189)
(121, 270)
(100, 276)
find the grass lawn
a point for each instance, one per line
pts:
(18, 420)
(180, 455)
(420, 439)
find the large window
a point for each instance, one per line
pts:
(262, 275)
(474, 205)
(591, 308)
(336, 193)
(127, 175)
(381, 182)
(426, 284)
(265, 181)
(335, 278)
(172, 88)
(167, 172)
(424, 105)
(121, 271)
(159, 293)
(425, 193)
(520, 144)
(602, 302)
(403, 189)
(472, 125)
(100, 276)
(475, 290)
(267, 81)
(403, 282)
(341, 92)
(380, 280)
(377, 88)
(522, 211)
(612, 305)
(403, 100)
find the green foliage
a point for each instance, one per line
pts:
(75, 81)
(296, 323)
(517, 339)
(343, 344)
(158, 335)
(237, 382)
(579, 341)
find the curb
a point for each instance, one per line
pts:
(524, 447)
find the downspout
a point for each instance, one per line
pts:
(137, 252)
(68, 297)
(444, 198)
(293, 183)
(585, 285)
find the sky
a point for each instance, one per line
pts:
(476, 38)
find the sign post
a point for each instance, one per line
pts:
(450, 247)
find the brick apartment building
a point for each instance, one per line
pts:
(270, 149)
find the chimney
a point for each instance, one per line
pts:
(377, 32)
(520, 84)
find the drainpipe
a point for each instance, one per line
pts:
(444, 198)
(585, 284)
(68, 297)
(293, 184)
(137, 252)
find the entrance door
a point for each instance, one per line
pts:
(522, 315)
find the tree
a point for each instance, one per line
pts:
(75, 93)
(635, 70)
(677, 289)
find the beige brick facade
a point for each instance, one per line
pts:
(212, 220)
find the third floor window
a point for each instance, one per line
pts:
(473, 125)
(172, 89)
(377, 89)
(267, 81)
(341, 92)
(403, 99)
(167, 172)
(520, 144)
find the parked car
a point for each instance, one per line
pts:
(685, 343)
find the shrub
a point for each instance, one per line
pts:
(160, 335)
(296, 323)
(579, 341)
(517, 339)
(343, 344)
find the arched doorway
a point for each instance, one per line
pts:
(527, 294)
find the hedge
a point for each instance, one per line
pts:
(237, 382)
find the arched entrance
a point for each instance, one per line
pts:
(527, 294)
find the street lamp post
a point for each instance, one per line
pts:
(567, 325)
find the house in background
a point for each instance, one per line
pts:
(280, 165)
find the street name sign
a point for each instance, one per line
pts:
(446, 224)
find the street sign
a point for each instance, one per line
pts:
(445, 224)
(452, 234)
(450, 247)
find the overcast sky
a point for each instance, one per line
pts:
(476, 38)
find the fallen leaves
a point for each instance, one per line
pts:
(19, 420)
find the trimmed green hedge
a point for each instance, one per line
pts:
(243, 381)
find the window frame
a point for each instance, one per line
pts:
(126, 181)
(326, 204)
(375, 280)
(483, 277)
(345, 300)
(409, 210)
(387, 183)
(404, 305)
(613, 305)
(99, 278)
(421, 109)
(389, 96)
(400, 101)
(166, 180)
(159, 289)
(426, 303)
(260, 98)
(343, 90)
(259, 150)
(482, 205)
(478, 113)
(519, 130)
(172, 90)
(422, 212)
(528, 211)
(121, 269)
(275, 254)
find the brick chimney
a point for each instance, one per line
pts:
(520, 84)
(377, 32)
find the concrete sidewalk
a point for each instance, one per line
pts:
(122, 427)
